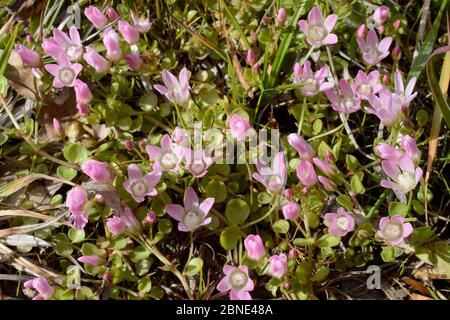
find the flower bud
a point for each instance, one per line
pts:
(112, 44)
(396, 53)
(29, 57)
(290, 210)
(255, 247)
(134, 61)
(150, 218)
(397, 24)
(95, 60)
(251, 58)
(361, 31)
(112, 14)
(76, 199)
(128, 32)
(293, 254)
(281, 16)
(129, 145)
(96, 17)
(98, 171)
(288, 194)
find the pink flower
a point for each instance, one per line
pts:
(52, 48)
(167, 157)
(115, 225)
(406, 96)
(273, 178)
(180, 136)
(239, 126)
(278, 265)
(365, 85)
(142, 23)
(317, 30)
(404, 175)
(327, 183)
(96, 17)
(82, 92)
(251, 58)
(361, 33)
(71, 47)
(128, 32)
(112, 44)
(255, 247)
(386, 106)
(325, 167)
(372, 51)
(65, 73)
(134, 61)
(394, 230)
(197, 162)
(387, 152)
(281, 16)
(139, 185)
(29, 57)
(150, 218)
(98, 171)
(311, 83)
(237, 281)
(347, 101)
(410, 146)
(41, 285)
(92, 260)
(381, 15)
(306, 173)
(288, 193)
(305, 151)
(175, 91)
(290, 210)
(76, 199)
(339, 223)
(132, 224)
(112, 14)
(194, 214)
(95, 60)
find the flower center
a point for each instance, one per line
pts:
(372, 53)
(66, 75)
(342, 223)
(197, 168)
(192, 219)
(406, 181)
(168, 161)
(317, 32)
(72, 52)
(139, 188)
(238, 279)
(310, 85)
(393, 231)
(365, 89)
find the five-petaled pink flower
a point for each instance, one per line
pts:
(394, 230)
(403, 173)
(255, 247)
(76, 202)
(273, 178)
(311, 83)
(194, 214)
(141, 23)
(339, 223)
(167, 157)
(306, 173)
(347, 101)
(197, 162)
(237, 281)
(387, 106)
(41, 285)
(372, 51)
(239, 126)
(176, 91)
(139, 185)
(365, 85)
(65, 72)
(278, 265)
(406, 95)
(317, 30)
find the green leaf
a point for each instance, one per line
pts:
(321, 274)
(194, 266)
(3, 138)
(84, 293)
(230, 237)
(303, 241)
(148, 102)
(322, 150)
(139, 253)
(235, 24)
(217, 190)
(420, 235)
(145, 285)
(345, 201)
(281, 226)
(357, 185)
(63, 249)
(237, 211)
(76, 235)
(388, 254)
(66, 172)
(351, 162)
(165, 225)
(398, 208)
(4, 58)
(90, 249)
(76, 152)
(328, 241)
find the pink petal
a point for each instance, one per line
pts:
(227, 269)
(161, 89)
(407, 229)
(398, 219)
(385, 44)
(152, 179)
(166, 143)
(53, 69)
(249, 286)
(77, 68)
(410, 86)
(418, 175)
(372, 39)
(388, 184)
(330, 39)
(190, 199)
(74, 35)
(315, 16)
(240, 295)
(223, 285)
(383, 222)
(398, 82)
(169, 80)
(175, 211)
(134, 172)
(330, 22)
(153, 152)
(206, 221)
(206, 205)
(390, 168)
(303, 25)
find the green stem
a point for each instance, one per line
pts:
(268, 213)
(378, 203)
